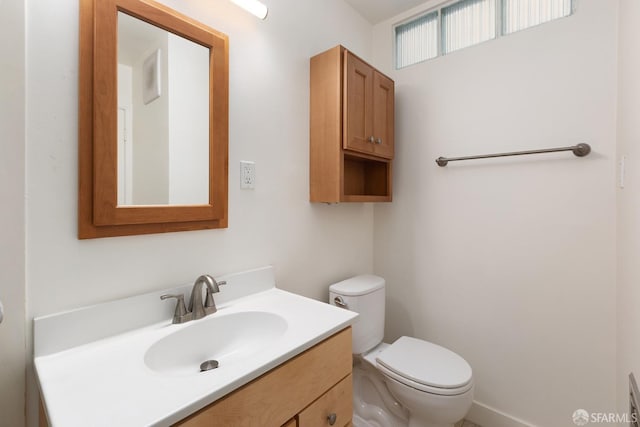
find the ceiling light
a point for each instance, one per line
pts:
(253, 6)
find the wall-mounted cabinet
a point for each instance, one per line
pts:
(352, 129)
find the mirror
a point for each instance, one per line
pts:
(163, 146)
(153, 125)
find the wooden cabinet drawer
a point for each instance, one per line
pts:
(337, 401)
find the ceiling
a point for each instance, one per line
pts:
(378, 10)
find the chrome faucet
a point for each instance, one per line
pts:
(197, 309)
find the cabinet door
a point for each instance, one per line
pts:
(358, 99)
(383, 115)
(334, 408)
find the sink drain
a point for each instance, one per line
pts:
(208, 365)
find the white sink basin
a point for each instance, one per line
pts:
(228, 339)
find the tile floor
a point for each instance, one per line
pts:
(465, 423)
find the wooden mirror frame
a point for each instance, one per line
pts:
(98, 212)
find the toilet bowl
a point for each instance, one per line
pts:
(410, 382)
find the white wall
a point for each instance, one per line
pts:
(12, 219)
(510, 262)
(310, 245)
(628, 199)
(151, 132)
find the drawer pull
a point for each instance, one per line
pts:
(332, 417)
(371, 139)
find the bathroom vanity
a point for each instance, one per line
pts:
(312, 389)
(283, 360)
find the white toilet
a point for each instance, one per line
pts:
(411, 382)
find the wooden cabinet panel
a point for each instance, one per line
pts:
(383, 115)
(291, 423)
(358, 100)
(274, 398)
(335, 406)
(369, 109)
(325, 123)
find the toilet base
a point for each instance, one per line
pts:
(372, 400)
(430, 410)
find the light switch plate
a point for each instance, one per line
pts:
(247, 174)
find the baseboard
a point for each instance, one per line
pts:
(486, 416)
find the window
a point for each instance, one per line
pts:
(417, 40)
(468, 22)
(520, 14)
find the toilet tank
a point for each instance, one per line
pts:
(363, 294)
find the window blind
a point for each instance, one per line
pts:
(417, 40)
(520, 14)
(468, 22)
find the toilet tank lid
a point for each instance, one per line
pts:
(358, 285)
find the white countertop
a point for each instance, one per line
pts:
(106, 382)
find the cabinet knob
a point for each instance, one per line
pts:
(332, 417)
(372, 139)
(378, 140)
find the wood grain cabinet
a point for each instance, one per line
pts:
(313, 389)
(335, 407)
(351, 129)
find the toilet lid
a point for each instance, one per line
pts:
(425, 363)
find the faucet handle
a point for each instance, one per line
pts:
(179, 316)
(209, 303)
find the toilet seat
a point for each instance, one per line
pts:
(424, 388)
(425, 366)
